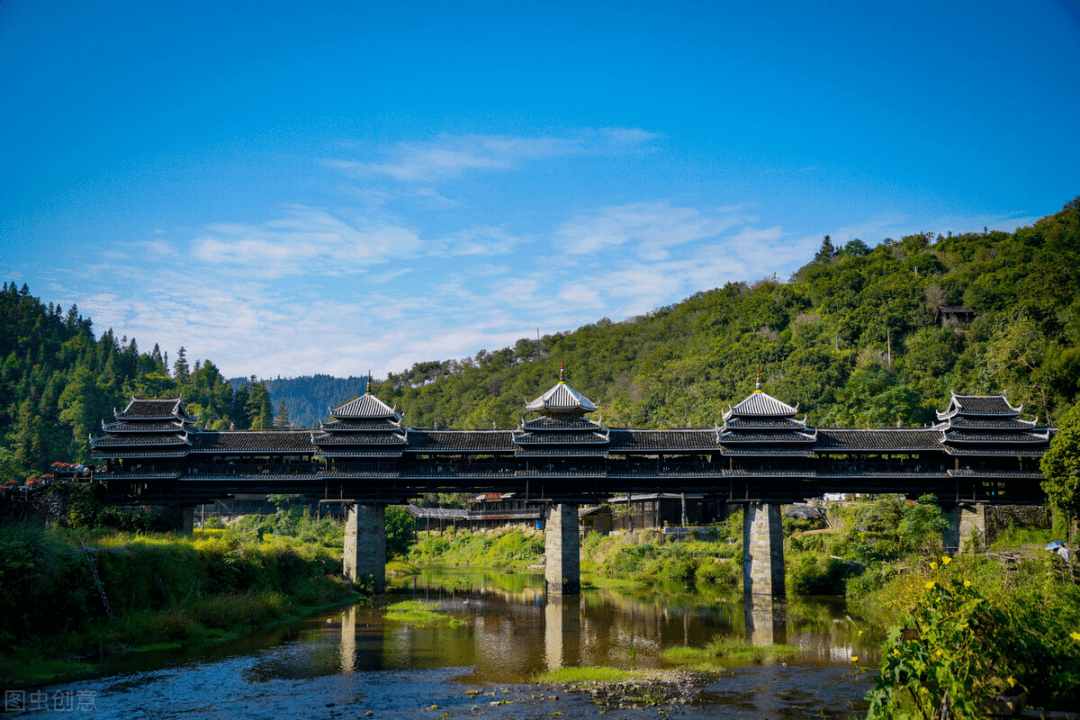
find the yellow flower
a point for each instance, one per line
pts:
(1075, 636)
(946, 560)
(854, 658)
(933, 566)
(861, 632)
(967, 583)
(930, 584)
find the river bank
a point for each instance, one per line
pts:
(71, 598)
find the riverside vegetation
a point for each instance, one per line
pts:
(957, 631)
(162, 589)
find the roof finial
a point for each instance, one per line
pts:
(757, 385)
(562, 367)
(368, 384)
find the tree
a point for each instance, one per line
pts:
(827, 251)
(180, 368)
(281, 418)
(1061, 467)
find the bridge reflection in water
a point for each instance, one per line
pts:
(562, 631)
(766, 620)
(511, 631)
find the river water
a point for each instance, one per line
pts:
(351, 662)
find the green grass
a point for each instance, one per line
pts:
(418, 614)
(1015, 538)
(396, 568)
(568, 675)
(728, 648)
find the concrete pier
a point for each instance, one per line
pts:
(562, 548)
(763, 551)
(967, 529)
(365, 543)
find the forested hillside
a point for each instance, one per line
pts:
(859, 336)
(301, 402)
(58, 382)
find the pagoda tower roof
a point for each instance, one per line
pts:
(761, 404)
(562, 400)
(979, 405)
(365, 407)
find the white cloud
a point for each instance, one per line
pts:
(653, 227)
(450, 156)
(306, 241)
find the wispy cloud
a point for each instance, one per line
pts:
(652, 227)
(307, 241)
(450, 156)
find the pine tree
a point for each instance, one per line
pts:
(827, 251)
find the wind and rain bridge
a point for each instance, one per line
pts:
(979, 452)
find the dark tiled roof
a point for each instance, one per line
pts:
(551, 437)
(562, 423)
(761, 404)
(631, 440)
(765, 437)
(975, 451)
(361, 438)
(379, 452)
(1005, 423)
(764, 423)
(347, 425)
(149, 453)
(997, 437)
(898, 439)
(141, 440)
(561, 452)
(365, 407)
(766, 451)
(433, 441)
(980, 405)
(562, 399)
(151, 409)
(146, 427)
(256, 442)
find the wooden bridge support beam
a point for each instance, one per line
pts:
(562, 548)
(365, 543)
(763, 550)
(967, 529)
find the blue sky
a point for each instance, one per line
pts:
(291, 188)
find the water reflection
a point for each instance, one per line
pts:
(507, 632)
(562, 631)
(766, 620)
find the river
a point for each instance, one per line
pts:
(353, 663)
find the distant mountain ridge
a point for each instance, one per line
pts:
(308, 398)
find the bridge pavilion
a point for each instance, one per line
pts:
(980, 451)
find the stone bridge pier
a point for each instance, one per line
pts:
(365, 543)
(967, 528)
(562, 549)
(763, 551)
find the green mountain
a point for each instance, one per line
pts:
(858, 336)
(301, 402)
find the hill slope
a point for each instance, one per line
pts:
(858, 336)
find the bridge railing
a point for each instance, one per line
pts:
(248, 469)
